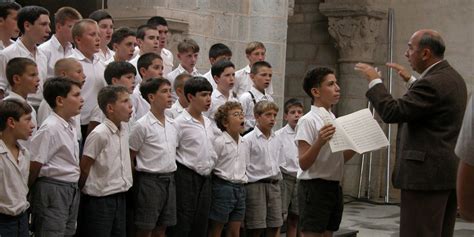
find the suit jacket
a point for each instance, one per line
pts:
(429, 118)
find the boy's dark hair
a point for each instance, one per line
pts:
(29, 14)
(219, 49)
(218, 68)
(120, 34)
(188, 44)
(118, 69)
(292, 102)
(314, 78)
(145, 60)
(222, 114)
(179, 80)
(195, 85)
(257, 65)
(57, 86)
(99, 15)
(6, 7)
(64, 14)
(78, 28)
(17, 66)
(12, 108)
(142, 30)
(109, 95)
(157, 21)
(152, 86)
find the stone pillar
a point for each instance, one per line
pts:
(355, 26)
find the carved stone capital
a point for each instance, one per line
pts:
(354, 27)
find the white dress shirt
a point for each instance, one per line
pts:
(248, 104)
(155, 143)
(167, 57)
(195, 149)
(55, 146)
(262, 159)
(18, 49)
(14, 181)
(231, 158)
(176, 72)
(208, 76)
(2, 45)
(94, 71)
(140, 105)
(289, 156)
(106, 57)
(111, 172)
(54, 51)
(328, 165)
(45, 110)
(175, 110)
(244, 83)
(218, 99)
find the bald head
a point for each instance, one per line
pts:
(71, 68)
(431, 40)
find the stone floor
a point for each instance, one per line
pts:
(383, 220)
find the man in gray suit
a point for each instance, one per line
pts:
(429, 118)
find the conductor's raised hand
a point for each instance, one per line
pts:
(368, 71)
(326, 133)
(402, 71)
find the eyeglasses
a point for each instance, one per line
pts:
(238, 114)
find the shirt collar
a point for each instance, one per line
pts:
(2, 45)
(71, 123)
(111, 125)
(289, 130)
(57, 45)
(4, 149)
(80, 56)
(13, 95)
(22, 46)
(247, 69)
(429, 68)
(259, 133)
(230, 139)
(181, 70)
(258, 95)
(154, 120)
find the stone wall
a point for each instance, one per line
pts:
(232, 22)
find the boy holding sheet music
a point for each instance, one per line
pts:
(320, 197)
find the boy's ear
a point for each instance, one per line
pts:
(109, 108)
(114, 80)
(315, 92)
(216, 79)
(16, 79)
(189, 96)
(114, 46)
(151, 97)
(59, 101)
(10, 122)
(285, 116)
(212, 60)
(142, 71)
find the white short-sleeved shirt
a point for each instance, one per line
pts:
(94, 71)
(155, 144)
(45, 110)
(167, 57)
(111, 172)
(54, 51)
(138, 78)
(231, 158)
(248, 103)
(34, 120)
(195, 149)
(14, 180)
(210, 79)
(99, 117)
(18, 49)
(218, 99)
(328, 165)
(106, 57)
(176, 72)
(140, 105)
(262, 160)
(55, 146)
(289, 156)
(244, 83)
(175, 110)
(465, 144)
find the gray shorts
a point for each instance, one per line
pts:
(289, 195)
(263, 205)
(155, 200)
(54, 207)
(228, 201)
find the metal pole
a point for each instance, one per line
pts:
(390, 77)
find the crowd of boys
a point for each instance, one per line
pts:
(99, 141)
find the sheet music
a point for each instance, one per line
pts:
(359, 132)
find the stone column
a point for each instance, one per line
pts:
(355, 26)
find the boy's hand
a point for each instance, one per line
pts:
(402, 71)
(326, 133)
(368, 71)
